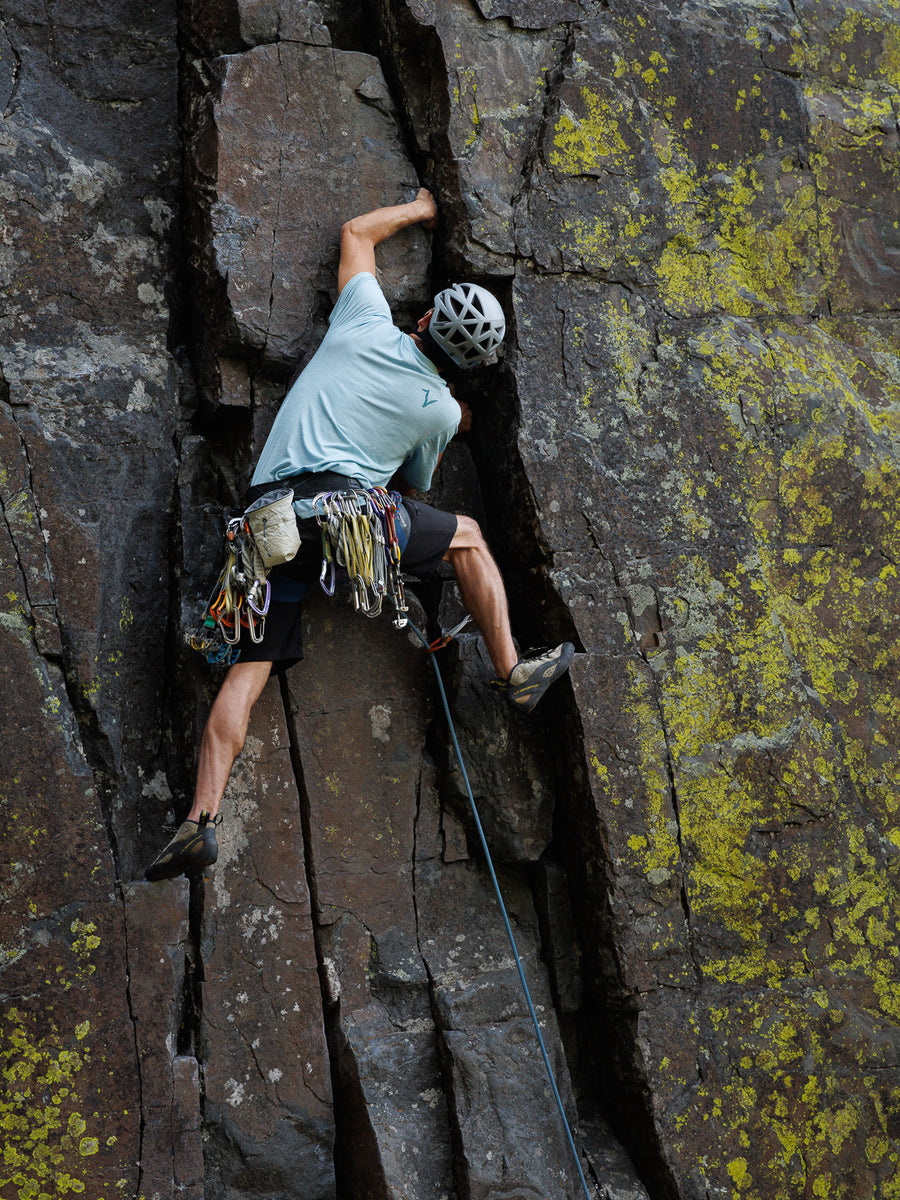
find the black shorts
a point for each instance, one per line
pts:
(430, 534)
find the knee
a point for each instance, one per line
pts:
(230, 716)
(468, 536)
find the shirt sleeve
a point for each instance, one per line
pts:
(360, 301)
(418, 467)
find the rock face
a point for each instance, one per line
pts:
(687, 463)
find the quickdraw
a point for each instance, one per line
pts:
(359, 534)
(239, 600)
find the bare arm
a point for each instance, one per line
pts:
(361, 235)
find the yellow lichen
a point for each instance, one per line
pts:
(657, 850)
(585, 142)
(42, 1127)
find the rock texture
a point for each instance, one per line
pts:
(687, 463)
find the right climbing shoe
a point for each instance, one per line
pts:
(531, 677)
(192, 848)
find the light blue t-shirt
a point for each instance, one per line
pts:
(367, 403)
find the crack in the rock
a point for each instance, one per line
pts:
(28, 493)
(17, 71)
(142, 1122)
(330, 1004)
(278, 199)
(533, 153)
(93, 743)
(458, 1157)
(669, 763)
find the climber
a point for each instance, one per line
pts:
(369, 409)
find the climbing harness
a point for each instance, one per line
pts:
(359, 533)
(262, 537)
(509, 932)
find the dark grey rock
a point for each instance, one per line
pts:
(686, 463)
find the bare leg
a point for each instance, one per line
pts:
(483, 593)
(226, 729)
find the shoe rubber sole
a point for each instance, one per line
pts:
(189, 850)
(525, 696)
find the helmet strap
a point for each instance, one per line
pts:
(435, 352)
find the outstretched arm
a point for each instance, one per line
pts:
(361, 235)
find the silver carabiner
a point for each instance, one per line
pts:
(253, 626)
(232, 641)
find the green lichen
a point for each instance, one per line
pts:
(593, 241)
(863, 49)
(728, 248)
(465, 96)
(738, 233)
(801, 1117)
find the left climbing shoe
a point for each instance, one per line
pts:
(192, 848)
(530, 677)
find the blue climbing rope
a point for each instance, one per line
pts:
(509, 932)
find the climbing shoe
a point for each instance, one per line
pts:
(530, 677)
(192, 848)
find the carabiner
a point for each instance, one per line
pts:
(260, 612)
(327, 588)
(232, 641)
(252, 626)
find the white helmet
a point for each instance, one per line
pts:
(467, 323)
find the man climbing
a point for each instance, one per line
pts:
(370, 409)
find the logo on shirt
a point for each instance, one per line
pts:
(426, 401)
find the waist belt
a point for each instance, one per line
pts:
(307, 485)
(358, 532)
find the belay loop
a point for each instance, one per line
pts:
(359, 534)
(259, 539)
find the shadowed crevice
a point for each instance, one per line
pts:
(346, 1107)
